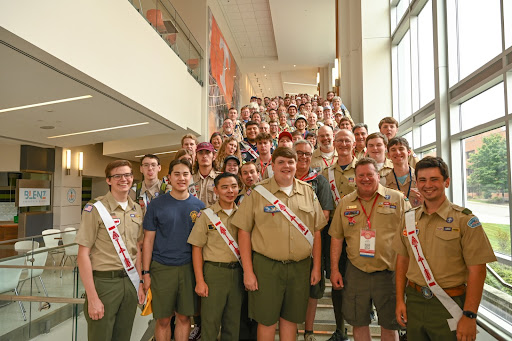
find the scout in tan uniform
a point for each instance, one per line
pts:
(389, 127)
(360, 131)
(276, 252)
(189, 142)
(368, 220)
(456, 249)
(402, 177)
(376, 145)
(219, 280)
(264, 145)
(111, 298)
(150, 187)
(326, 155)
(204, 174)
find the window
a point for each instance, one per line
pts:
(482, 108)
(426, 55)
(403, 60)
(428, 132)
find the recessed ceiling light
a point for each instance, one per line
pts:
(47, 127)
(265, 75)
(294, 65)
(263, 66)
(45, 103)
(98, 130)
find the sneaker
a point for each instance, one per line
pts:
(336, 336)
(195, 334)
(309, 337)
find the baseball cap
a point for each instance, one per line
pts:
(327, 108)
(285, 134)
(205, 146)
(300, 117)
(292, 105)
(231, 157)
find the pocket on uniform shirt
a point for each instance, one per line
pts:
(386, 210)
(308, 213)
(444, 234)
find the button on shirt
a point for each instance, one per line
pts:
(93, 234)
(204, 234)
(345, 179)
(386, 219)
(204, 187)
(449, 245)
(272, 235)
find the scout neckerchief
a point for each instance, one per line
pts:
(332, 161)
(398, 184)
(292, 218)
(117, 240)
(249, 149)
(309, 176)
(334, 189)
(224, 233)
(367, 235)
(444, 298)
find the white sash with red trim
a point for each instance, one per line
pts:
(332, 185)
(292, 218)
(249, 149)
(447, 301)
(224, 233)
(118, 242)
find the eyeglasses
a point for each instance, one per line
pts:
(119, 176)
(150, 165)
(304, 154)
(343, 141)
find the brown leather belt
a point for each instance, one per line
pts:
(452, 292)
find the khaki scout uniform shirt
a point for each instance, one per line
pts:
(345, 179)
(359, 154)
(386, 219)
(452, 239)
(150, 192)
(387, 168)
(204, 187)
(205, 235)
(318, 162)
(404, 188)
(286, 128)
(265, 167)
(93, 234)
(272, 235)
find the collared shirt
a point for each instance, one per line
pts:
(94, 235)
(359, 154)
(391, 182)
(320, 163)
(386, 219)
(345, 179)
(238, 137)
(262, 168)
(204, 186)
(146, 193)
(204, 234)
(286, 127)
(385, 170)
(452, 239)
(272, 235)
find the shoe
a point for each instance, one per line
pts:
(195, 334)
(309, 337)
(336, 336)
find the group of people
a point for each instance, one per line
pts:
(243, 230)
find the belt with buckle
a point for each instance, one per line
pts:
(232, 265)
(427, 293)
(110, 274)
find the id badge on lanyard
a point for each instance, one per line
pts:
(367, 235)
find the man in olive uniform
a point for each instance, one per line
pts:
(150, 187)
(215, 248)
(111, 297)
(325, 155)
(456, 248)
(277, 222)
(368, 220)
(203, 174)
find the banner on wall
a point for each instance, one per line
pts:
(223, 80)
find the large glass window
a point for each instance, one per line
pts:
(426, 55)
(483, 108)
(428, 132)
(404, 77)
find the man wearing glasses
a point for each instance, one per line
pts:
(109, 258)
(150, 187)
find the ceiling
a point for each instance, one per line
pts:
(282, 43)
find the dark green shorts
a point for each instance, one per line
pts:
(172, 288)
(283, 290)
(361, 289)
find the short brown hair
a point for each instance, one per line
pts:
(179, 162)
(378, 135)
(182, 152)
(433, 162)
(150, 156)
(116, 164)
(366, 161)
(388, 119)
(263, 137)
(399, 140)
(284, 152)
(188, 136)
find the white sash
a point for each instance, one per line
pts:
(292, 218)
(249, 149)
(224, 232)
(118, 242)
(334, 189)
(447, 301)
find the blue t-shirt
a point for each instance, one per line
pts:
(172, 220)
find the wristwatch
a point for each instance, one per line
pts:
(469, 314)
(144, 272)
(141, 281)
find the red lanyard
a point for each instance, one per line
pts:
(263, 168)
(332, 161)
(368, 216)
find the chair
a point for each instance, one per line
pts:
(9, 279)
(24, 246)
(155, 18)
(35, 258)
(71, 251)
(51, 238)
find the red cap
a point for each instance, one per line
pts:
(285, 134)
(205, 146)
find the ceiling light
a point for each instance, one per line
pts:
(169, 152)
(68, 161)
(45, 103)
(317, 77)
(98, 130)
(299, 83)
(263, 66)
(80, 163)
(294, 65)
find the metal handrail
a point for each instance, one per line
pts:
(49, 299)
(498, 277)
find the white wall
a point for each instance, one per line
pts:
(10, 156)
(112, 43)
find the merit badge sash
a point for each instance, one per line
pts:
(224, 232)
(118, 242)
(334, 189)
(292, 218)
(447, 301)
(249, 149)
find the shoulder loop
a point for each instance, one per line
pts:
(137, 190)
(467, 211)
(163, 188)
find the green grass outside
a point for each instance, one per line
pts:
(499, 236)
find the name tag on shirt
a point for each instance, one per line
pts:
(367, 243)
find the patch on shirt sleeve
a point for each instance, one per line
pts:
(474, 222)
(88, 208)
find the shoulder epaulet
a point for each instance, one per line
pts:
(464, 210)
(138, 189)
(467, 211)
(163, 188)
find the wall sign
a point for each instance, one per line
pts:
(71, 195)
(34, 197)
